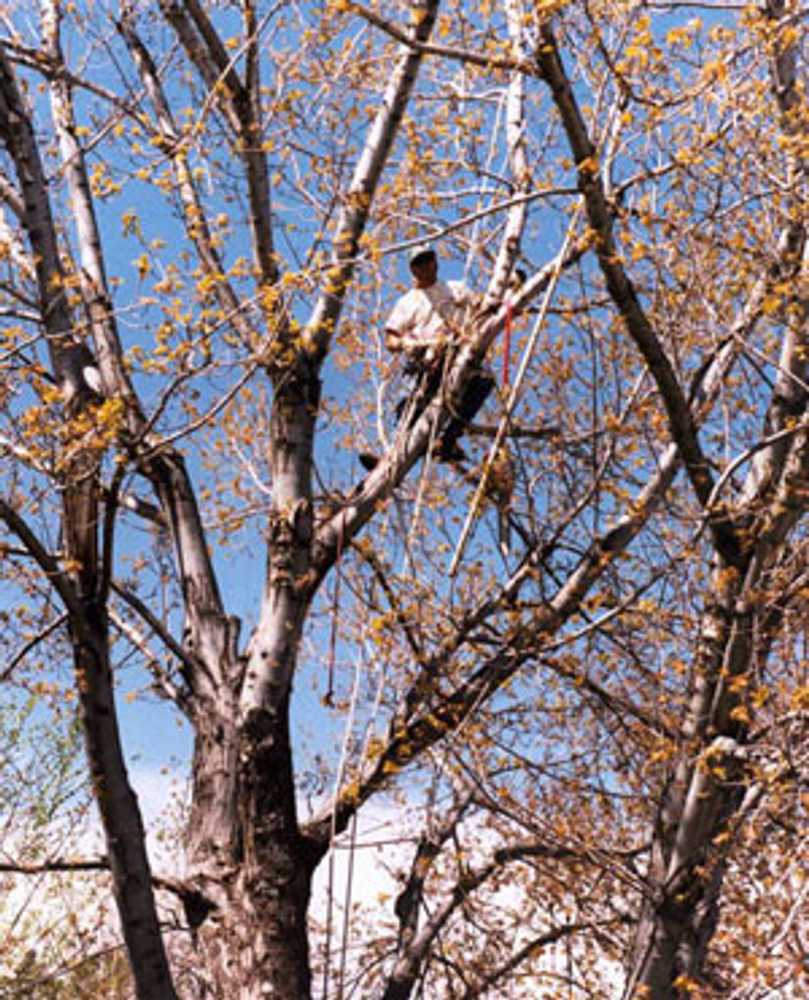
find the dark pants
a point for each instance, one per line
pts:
(427, 383)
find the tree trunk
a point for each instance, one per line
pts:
(255, 944)
(247, 854)
(118, 806)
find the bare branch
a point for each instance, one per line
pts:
(196, 219)
(154, 624)
(21, 654)
(450, 52)
(49, 566)
(407, 968)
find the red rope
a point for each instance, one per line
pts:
(506, 344)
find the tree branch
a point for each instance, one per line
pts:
(407, 968)
(447, 51)
(21, 654)
(354, 214)
(623, 293)
(196, 905)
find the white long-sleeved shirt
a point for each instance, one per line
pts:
(429, 317)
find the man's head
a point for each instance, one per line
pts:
(424, 265)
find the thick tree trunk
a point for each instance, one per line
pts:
(273, 887)
(677, 919)
(249, 859)
(255, 943)
(88, 570)
(701, 808)
(247, 856)
(677, 925)
(278, 862)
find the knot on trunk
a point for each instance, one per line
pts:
(196, 907)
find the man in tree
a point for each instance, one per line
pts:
(426, 324)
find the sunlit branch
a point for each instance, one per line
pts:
(790, 392)
(357, 201)
(23, 345)
(796, 910)
(517, 431)
(538, 554)
(10, 196)
(556, 271)
(621, 708)
(368, 556)
(135, 504)
(240, 104)
(637, 96)
(520, 173)
(10, 311)
(256, 168)
(529, 950)
(517, 201)
(55, 865)
(448, 51)
(703, 391)
(18, 137)
(195, 216)
(38, 60)
(162, 441)
(187, 893)
(9, 447)
(410, 901)
(622, 290)
(205, 50)
(742, 459)
(92, 274)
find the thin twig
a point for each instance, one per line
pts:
(31, 644)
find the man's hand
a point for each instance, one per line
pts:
(393, 341)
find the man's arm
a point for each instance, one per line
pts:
(398, 340)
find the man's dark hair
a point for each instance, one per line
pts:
(423, 258)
